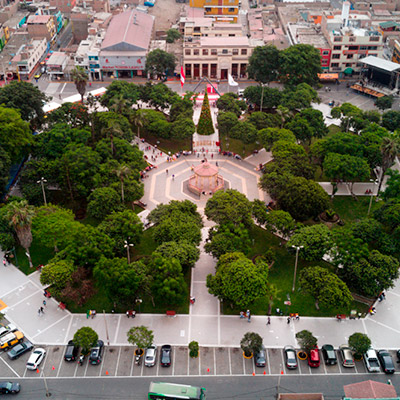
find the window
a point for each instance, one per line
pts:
(349, 56)
(213, 52)
(224, 51)
(353, 47)
(196, 52)
(235, 52)
(334, 64)
(337, 47)
(348, 64)
(188, 52)
(373, 55)
(208, 9)
(336, 56)
(231, 9)
(231, 35)
(205, 52)
(325, 53)
(374, 38)
(372, 47)
(324, 61)
(243, 52)
(352, 39)
(197, 29)
(363, 47)
(337, 39)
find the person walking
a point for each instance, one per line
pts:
(241, 314)
(288, 320)
(44, 303)
(4, 262)
(39, 312)
(268, 321)
(42, 310)
(173, 177)
(249, 318)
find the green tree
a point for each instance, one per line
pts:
(205, 125)
(168, 282)
(182, 128)
(390, 148)
(259, 211)
(229, 206)
(263, 64)
(172, 35)
(7, 237)
(301, 129)
(226, 122)
(15, 136)
(120, 279)
(269, 136)
(237, 281)
(259, 119)
(391, 120)
(315, 118)
(244, 131)
(315, 239)
(300, 63)
(139, 120)
(384, 102)
(161, 96)
(20, 215)
(57, 274)
(177, 227)
(25, 97)
(186, 253)
(298, 97)
(229, 102)
(141, 336)
(359, 343)
(342, 167)
(306, 340)
(85, 338)
(175, 207)
(251, 343)
(392, 190)
(181, 108)
(160, 63)
(122, 172)
(271, 97)
(5, 164)
(102, 202)
(326, 288)
(79, 77)
(128, 90)
(279, 221)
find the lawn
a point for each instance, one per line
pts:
(351, 209)
(281, 276)
(168, 145)
(237, 146)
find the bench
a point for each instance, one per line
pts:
(62, 306)
(341, 317)
(171, 313)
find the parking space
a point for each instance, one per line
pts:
(118, 361)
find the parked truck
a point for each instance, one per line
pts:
(371, 361)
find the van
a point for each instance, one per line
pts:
(10, 340)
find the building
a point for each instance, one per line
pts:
(369, 390)
(56, 64)
(28, 57)
(80, 26)
(306, 34)
(42, 26)
(219, 10)
(197, 27)
(216, 57)
(4, 36)
(350, 38)
(126, 44)
(65, 6)
(8, 10)
(88, 54)
(396, 52)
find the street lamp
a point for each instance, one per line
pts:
(139, 301)
(128, 245)
(372, 195)
(42, 181)
(295, 265)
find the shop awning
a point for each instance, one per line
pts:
(328, 77)
(348, 71)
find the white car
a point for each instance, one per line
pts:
(35, 359)
(150, 356)
(371, 361)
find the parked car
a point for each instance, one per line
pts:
(329, 354)
(166, 353)
(20, 349)
(150, 356)
(9, 387)
(96, 353)
(371, 361)
(386, 361)
(35, 358)
(347, 356)
(11, 339)
(291, 358)
(71, 351)
(313, 358)
(38, 74)
(261, 358)
(7, 329)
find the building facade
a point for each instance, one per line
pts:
(219, 10)
(56, 64)
(28, 57)
(42, 26)
(216, 57)
(65, 6)
(396, 52)
(88, 55)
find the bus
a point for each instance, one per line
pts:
(172, 391)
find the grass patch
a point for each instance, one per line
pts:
(146, 246)
(167, 145)
(281, 276)
(237, 146)
(351, 209)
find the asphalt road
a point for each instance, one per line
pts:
(246, 388)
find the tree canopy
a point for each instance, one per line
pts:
(160, 63)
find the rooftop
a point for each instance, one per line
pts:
(370, 390)
(128, 31)
(381, 63)
(39, 19)
(306, 34)
(238, 41)
(17, 40)
(57, 58)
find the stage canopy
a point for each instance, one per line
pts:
(380, 63)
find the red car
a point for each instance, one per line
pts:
(313, 358)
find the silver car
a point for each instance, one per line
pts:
(347, 356)
(150, 356)
(291, 358)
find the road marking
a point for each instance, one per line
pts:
(68, 329)
(283, 362)
(215, 364)
(133, 359)
(244, 367)
(25, 298)
(119, 355)
(12, 369)
(158, 365)
(2, 305)
(324, 366)
(188, 363)
(87, 364)
(117, 331)
(50, 326)
(173, 363)
(199, 362)
(219, 322)
(63, 87)
(230, 360)
(59, 367)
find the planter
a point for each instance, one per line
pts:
(302, 355)
(248, 357)
(357, 357)
(139, 352)
(330, 219)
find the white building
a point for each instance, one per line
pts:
(88, 53)
(56, 64)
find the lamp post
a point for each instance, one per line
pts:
(295, 265)
(372, 195)
(262, 97)
(128, 245)
(139, 301)
(42, 181)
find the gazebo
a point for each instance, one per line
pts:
(205, 179)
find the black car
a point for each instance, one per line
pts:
(9, 387)
(329, 354)
(71, 352)
(261, 358)
(20, 349)
(96, 354)
(166, 352)
(386, 361)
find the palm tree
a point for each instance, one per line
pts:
(80, 78)
(284, 113)
(119, 104)
(122, 172)
(139, 119)
(390, 148)
(272, 295)
(20, 215)
(111, 130)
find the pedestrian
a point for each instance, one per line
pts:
(359, 315)
(212, 155)
(192, 299)
(173, 177)
(44, 303)
(241, 314)
(288, 320)
(4, 262)
(42, 310)
(249, 317)
(268, 321)
(297, 317)
(384, 295)
(247, 313)
(166, 171)
(216, 163)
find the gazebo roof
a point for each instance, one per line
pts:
(206, 169)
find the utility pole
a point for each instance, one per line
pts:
(295, 265)
(42, 181)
